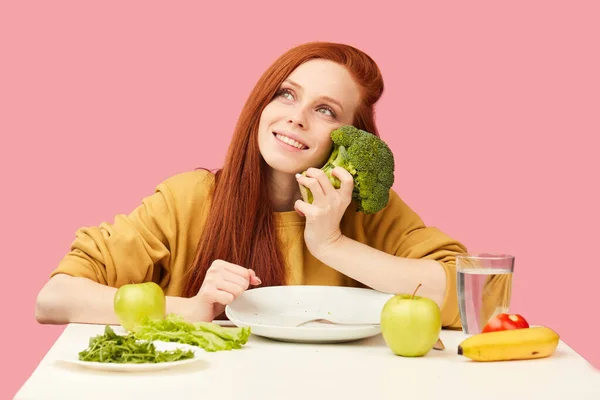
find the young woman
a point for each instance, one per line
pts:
(207, 237)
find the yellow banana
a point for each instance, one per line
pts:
(514, 344)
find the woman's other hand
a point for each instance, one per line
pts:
(329, 204)
(224, 282)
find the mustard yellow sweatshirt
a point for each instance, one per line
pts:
(157, 241)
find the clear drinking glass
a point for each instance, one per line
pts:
(484, 283)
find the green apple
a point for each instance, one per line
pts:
(410, 325)
(133, 302)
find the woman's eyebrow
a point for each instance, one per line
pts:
(334, 101)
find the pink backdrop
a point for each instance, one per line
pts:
(492, 111)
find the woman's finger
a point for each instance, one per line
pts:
(254, 280)
(230, 287)
(347, 182)
(235, 279)
(313, 185)
(323, 180)
(236, 269)
(307, 210)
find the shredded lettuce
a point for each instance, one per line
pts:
(207, 335)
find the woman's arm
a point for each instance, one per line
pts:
(385, 272)
(392, 251)
(135, 248)
(66, 299)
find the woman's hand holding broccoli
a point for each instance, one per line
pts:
(361, 168)
(328, 205)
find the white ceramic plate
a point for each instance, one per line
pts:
(275, 312)
(117, 367)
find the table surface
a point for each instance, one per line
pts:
(269, 369)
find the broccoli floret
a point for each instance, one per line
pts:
(368, 159)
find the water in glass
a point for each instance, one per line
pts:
(484, 290)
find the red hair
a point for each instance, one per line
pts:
(240, 225)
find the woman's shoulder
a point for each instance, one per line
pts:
(397, 216)
(186, 179)
(188, 185)
(396, 203)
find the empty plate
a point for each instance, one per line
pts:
(275, 312)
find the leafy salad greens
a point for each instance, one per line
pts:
(207, 335)
(113, 348)
(137, 346)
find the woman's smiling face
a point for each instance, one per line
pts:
(316, 98)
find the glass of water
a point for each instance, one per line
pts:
(484, 283)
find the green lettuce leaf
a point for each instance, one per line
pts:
(207, 335)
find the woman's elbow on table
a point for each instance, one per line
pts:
(51, 306)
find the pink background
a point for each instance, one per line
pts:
(492, 111)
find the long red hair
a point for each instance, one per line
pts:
(240, 225)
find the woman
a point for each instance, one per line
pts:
(205, 238)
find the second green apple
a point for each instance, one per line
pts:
(410, 324)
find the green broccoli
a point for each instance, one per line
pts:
(368, 159)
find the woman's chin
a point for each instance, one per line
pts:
(284, 165)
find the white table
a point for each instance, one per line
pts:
(366, 369)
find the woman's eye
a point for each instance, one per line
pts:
(285, 93)
(289, 95)
(327, 111)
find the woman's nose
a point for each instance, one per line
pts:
(298, 119)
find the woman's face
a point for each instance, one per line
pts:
(316, 98)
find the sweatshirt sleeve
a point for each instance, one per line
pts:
(134, 248)
(400, 231)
